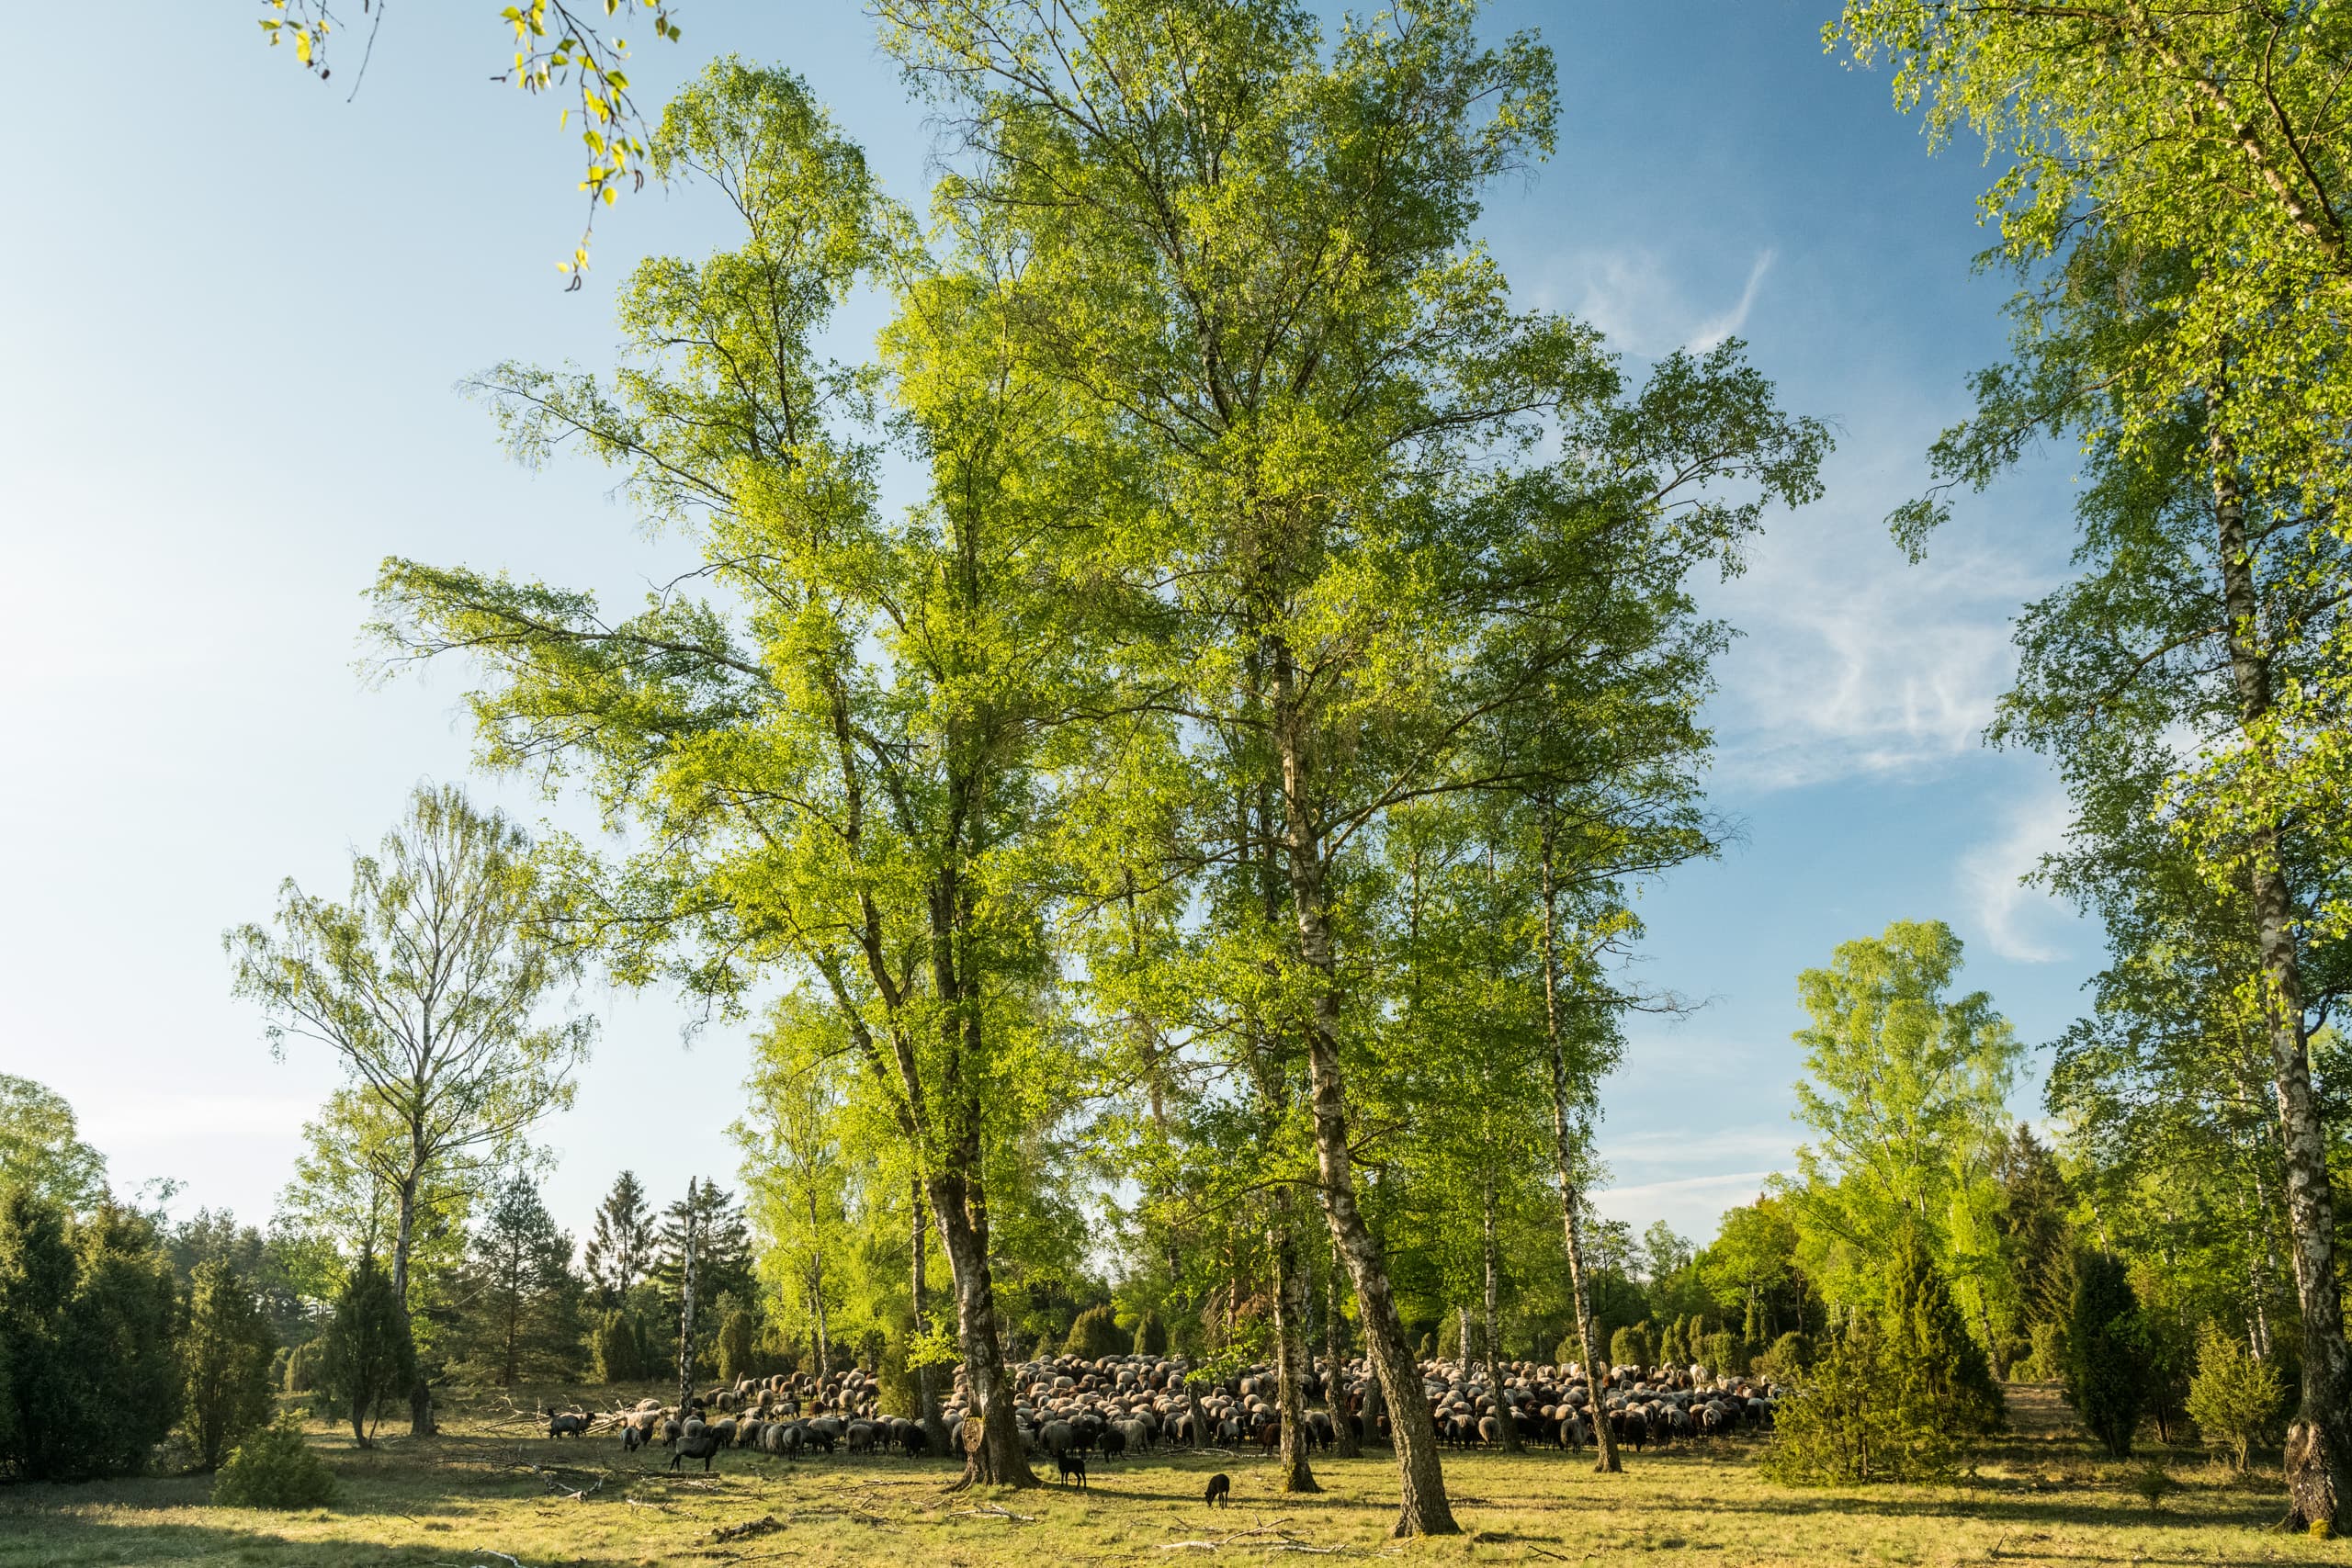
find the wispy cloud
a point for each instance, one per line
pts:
(2019, 921)
(1634, 296)
(1729, 324)
(1855, 661)
(1694, 1205)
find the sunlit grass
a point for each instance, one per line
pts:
(2041, 1497)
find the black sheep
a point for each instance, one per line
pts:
(701, 1445)
(1220, 1489)
(1073, 1465)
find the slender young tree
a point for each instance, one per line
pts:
(430, 984)
(521, 1308)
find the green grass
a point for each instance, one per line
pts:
(2038, 1497)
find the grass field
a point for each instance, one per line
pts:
(473, 1497)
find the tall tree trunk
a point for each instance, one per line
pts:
(934, 1430)
(1335, 1376)
(994, 1456)
(1290, 1349)
(1504, 1415)
(1596, 1366)
(687, 1308)
(2319, 1439)
(1423, 1509)
(420, 1393)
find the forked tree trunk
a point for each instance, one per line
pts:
(1335, 1377)
(1596, 1366)
(2319, 1439)
(1290, 1351)
(1423, 1509)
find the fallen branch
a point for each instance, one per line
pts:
(748, 1528)
(990, 1511)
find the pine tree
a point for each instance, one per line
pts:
(1927, 1337)
(621, 1247)
(520, 1319)
(226, 1354)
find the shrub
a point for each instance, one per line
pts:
(1674, 1347)
(2046, 1360)
(302, 1368)
(1859, 1415)
(896, 1379)
(2104, 1367)
(226, 1357)
(1630, 1346)
(614, 1353)
(1094, 1336)
(1790, 1355)
(1722, 1353)
(1568, 1352)
(1152, 1335)
(739, 1333)
(274, 1469)
(2234, 1399)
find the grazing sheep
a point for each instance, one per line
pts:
(702, 1445)
(571, 1425)
(1220, 1489)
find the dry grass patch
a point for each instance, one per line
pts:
(486, 1488)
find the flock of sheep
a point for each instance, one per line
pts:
(1067, 1408)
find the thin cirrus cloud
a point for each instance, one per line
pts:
(2020, 923)
(1632, 296)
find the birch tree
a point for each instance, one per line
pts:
(431, 984)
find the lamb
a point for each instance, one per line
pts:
(1071, 1465)
(1220, 1489)
(571, 1425)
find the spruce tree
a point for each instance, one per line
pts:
(722, 1247)
(521, 1320)
(621, 1247)
(1928, 1338)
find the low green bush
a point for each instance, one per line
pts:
(1859, 1415)
(2235, 1400)
(274, 1469)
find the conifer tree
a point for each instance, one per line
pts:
(2106, 1381)
(1929, 1342)
(521, 1315)
(367, 1357)
(226, 1354)
(621, 1247)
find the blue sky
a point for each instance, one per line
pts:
(236, 307)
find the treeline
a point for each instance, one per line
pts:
(1180, 848)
